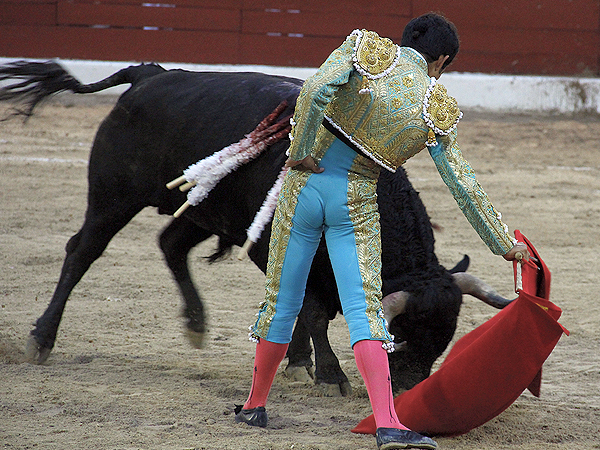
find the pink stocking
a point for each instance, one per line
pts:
(372, 363)
(266, 362)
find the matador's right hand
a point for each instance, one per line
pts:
(307, 162)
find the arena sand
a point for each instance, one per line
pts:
(122, 375)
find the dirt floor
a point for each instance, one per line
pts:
(122, 375)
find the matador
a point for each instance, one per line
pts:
(370, 107)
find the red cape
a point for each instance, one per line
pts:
(488, 368)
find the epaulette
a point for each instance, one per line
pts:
(373, 56)
(440, 112)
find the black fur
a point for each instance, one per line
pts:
(168, 120)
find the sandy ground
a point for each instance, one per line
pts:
(122, 375)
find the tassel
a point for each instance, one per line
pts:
(365, 87)
(431, 140)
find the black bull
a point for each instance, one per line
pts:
(168, 120)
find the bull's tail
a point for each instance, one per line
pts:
(32, 82)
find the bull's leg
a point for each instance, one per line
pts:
(300, 365)
(82, 250)
(176, 241)
(328, 373)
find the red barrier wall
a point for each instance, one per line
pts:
(552, 37)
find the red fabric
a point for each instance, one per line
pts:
(488, 368)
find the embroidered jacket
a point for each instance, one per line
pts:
(379, 96)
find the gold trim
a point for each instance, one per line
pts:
(440, 111)
(364, 214)
(374, 54)
(293, 183)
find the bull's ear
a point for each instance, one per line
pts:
(394, 304)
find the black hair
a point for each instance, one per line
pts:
(432, 35)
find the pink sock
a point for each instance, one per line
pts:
(372, 363)
(266, 362)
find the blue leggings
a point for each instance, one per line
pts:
(332, 202)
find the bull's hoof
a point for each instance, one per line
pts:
(346, 389)
(300, 373)
(35, 353)
(342, 389)
(195, 338)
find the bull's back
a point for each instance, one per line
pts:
(210, 108)
(166, 122)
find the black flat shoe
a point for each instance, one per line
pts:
(255, 417)
(394, 439)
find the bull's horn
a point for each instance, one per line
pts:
(398, 347)
(470, 284)
(394, 304)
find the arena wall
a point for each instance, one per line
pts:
(520, 37)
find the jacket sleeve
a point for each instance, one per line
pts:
(316, 93)
(459, 176)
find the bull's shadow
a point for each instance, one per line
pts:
(168, 120)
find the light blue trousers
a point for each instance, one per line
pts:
(323, 207)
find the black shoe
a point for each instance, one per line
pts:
(256, 417)
(393, 439)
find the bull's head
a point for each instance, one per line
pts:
(422, 333)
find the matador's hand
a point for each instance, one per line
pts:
(307, 162)
(518, 252)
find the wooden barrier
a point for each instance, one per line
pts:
(519, 37)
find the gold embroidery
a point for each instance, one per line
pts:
(375, 54)
(459, 176)
(388, 124)
(440, 111)
(362, 208)
(323, 141)
(280, 235)
(307, 118)
(397, 103)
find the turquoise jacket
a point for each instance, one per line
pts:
(379, 96)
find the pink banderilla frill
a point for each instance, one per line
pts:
(203, 176)
(264, 215)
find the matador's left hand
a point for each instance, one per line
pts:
(518, 252)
